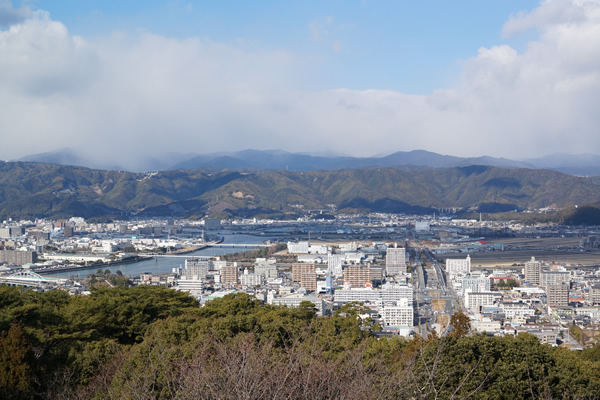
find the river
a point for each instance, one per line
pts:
(164, 265)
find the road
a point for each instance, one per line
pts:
(430, 283)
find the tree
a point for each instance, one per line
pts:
(15, 368)
(460, 324)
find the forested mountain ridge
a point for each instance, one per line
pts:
(29, 190)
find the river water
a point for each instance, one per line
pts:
(163, 265)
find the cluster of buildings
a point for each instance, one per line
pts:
(541, 299)
(76, 241)
(377, 277)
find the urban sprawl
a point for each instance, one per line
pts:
(410, 274)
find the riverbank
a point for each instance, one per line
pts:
(164, 263)
(76, 267)
(128, 260)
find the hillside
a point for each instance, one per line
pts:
(149, 342)
(29, 190)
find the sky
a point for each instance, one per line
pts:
(120, 81)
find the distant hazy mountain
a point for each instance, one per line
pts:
(61, 156)
(282, 160)
(573, 164)
(134, 163)
(582, 165)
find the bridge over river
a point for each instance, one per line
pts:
(212, 245)
(30, 279)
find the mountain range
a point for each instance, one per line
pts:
(581, 165)
(34, 190)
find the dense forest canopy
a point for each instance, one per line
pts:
(152, 342)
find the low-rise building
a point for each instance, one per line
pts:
(512, 309)
(294, 300)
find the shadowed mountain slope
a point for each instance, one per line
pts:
(30, 190)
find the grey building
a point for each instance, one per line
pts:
(17, 257)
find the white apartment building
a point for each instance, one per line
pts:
(533, 272)
(216, 265)
(334, 264)
(294, 300)
(395, 261)
(312, 258)
(250, 280)
(399, 313)
(455, 266)
(306, 248)
(319, 249)
(192, 286)
(396, 293)
(298, 248)
(475, 300)
(512, 310)
(592, 312)
(473, 284)
(370, 295)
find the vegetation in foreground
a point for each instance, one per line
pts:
(152, 342)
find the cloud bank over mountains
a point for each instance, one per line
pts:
(126, 94)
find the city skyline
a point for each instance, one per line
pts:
(515, 80)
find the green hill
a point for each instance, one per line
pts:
(31, 190)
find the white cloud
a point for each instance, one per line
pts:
(10, 15)
(129, 94)
(548, 15)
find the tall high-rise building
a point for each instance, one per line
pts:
(308, 281)
(229, 275)
(554, 278)
(395, 261)
(533, 271)
(301, 268)
(558, 295)
(195, 269)
(334, 264)
(594, 294)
